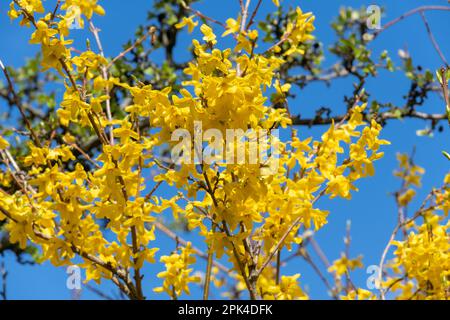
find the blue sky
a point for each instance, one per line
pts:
(372, 209)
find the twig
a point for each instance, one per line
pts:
(278, 268)
(319, 252)
(4, 275)
(244, 11)
(85, 155)
(252, 18)
(98, 292)
(284, 236)
(201, 15)
(432, 38)
(161, 227)
(418, 214)
(105, 75)
(150, 32)
(347, 242)
(305, 255)
(393, 283)
(410, 13)
(283, 39)
(249, 284)
(119, 274)
(209, 265)
(18, 103)
(55, 10)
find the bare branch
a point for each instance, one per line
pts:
(18, 103)
(410, 13)
(150, 32)
(4, 276)
(432, 38)
(105, 75)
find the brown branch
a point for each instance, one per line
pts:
(249, 284)
(28, 15)
(252, 18)
(4, 93)
(84, 154)
(55, 10)
(202, 16)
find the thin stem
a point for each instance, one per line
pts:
(209, 265)
(391, 239)
(277, 276)
(150, 32)
(98, 292)
(18, 103)
(244, 15)
(280, 242)
(201, 15)
(252, 18)
(105, 75)
(311, 262)
(250, 287)
(318, 250)
(55, 10)
(432, 38)
(4, 275)
(161, 227)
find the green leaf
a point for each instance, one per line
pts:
(446, 154)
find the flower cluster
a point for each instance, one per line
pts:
(177, 276)
(105, 210)
(420, 268)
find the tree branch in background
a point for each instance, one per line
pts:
(432, 38)
(4, 275)
(410, 13)
(151, 31)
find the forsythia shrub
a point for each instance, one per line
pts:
(105, 211)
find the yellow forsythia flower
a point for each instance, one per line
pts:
(3, 143)
(177, 274)
(189, 22)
